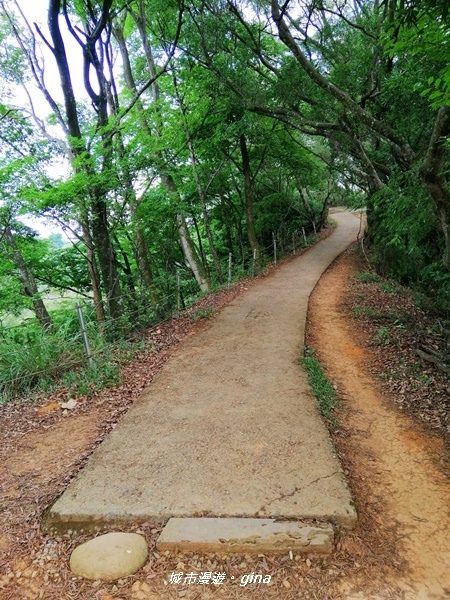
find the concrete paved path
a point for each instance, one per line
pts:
(229, 427)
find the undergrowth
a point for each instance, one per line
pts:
(33, 360)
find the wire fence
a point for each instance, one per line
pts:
(81, 333)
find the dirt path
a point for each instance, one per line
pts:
(228, 428)
(391, 461)
(400, 549)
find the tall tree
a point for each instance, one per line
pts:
(93, 47)
(154, 128)
(25, 275)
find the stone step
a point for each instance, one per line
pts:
(244, 535)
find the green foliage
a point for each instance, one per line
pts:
(12, 298)
(364, 311)
(104, 373)
(28, 355)
(321, 386)
(228, 79)
(367, 277)
(404, 242)
(387, 286)
(390, 317)
(403, 228)
(350, 198)
(421, 31)
(202, 313)
(434, 285)
(381, 337)
(390, 287)
(31, 359)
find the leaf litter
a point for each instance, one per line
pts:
(42, 450)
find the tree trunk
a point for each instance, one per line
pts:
(238, 223)
(201, 195)
(133, 302)
(199, 242)
(200, 190)
(382, 129)
(28, 282)
(141, 24)
(93, 270)
(107, 258)
(191, 254)
(100, 230)
(432, 173)
(249, 192)
(189, 249)
(143, 254)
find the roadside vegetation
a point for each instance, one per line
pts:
(36, 361)
(321, 386)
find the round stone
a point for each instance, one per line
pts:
(109, 556)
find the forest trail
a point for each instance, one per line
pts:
(398, 484)
(398, 550)
(229, 427)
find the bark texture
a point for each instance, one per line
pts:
(81, 157)
(190, 252)
(28, 282)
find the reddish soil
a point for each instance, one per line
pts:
(395, 466)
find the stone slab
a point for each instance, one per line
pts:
(229, 427)
(245, 536)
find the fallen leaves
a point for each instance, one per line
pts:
(43, 465)
(418, 386)
(69, 405)
(27, 495)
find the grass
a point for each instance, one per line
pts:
(386, 285)
(31, 360)
(366, 277)
(390, 317)
(364, 311)
(321, 386)
(29, 355)
(381, 337)
(389, 287)
(202, 313)
(54, 301)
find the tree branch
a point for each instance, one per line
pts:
(60, 286)
(163, 68)
(385, 131)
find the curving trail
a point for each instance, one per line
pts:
(229, 427)
(392, 458)
(398, 550)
